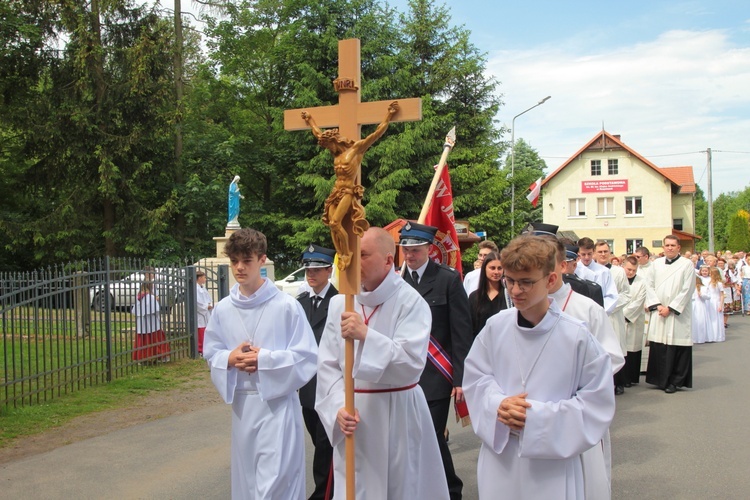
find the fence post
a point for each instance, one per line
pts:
(81, 303)
(108, 319)
(223, 281)
(191, 310)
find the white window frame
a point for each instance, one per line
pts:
(632, 200)
(580, 203)
(609, 207)
(631, 244)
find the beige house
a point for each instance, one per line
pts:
(607, 191)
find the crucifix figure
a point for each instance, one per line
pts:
(346, 196)
(343, 211)
(348, 116)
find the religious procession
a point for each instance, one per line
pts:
(581, 338)
(530, 348)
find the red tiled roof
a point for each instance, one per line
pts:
(682, 177)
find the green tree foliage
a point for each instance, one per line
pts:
(739, 232)
(89, 114)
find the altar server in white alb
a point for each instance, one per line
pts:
(538, 385)
(204, 305)
(397, 455)
(261, 350)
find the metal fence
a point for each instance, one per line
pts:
(70, 326)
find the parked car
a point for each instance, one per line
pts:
(169, 286)
(295, 283)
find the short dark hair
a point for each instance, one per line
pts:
(632, 260)
(643, 250)
(245, 243)
(586, 243)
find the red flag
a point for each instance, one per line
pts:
(445, 249)
(535, 189)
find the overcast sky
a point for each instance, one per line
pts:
(672, 78)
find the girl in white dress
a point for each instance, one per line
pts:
(701, 303)
(716, 308)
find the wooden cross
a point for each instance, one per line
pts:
(349, 116)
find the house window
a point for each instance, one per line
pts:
(596, 167)
(605, 206)
(577, 207)
(612, 167)
(677, 224)
(633, 205)
(631, 245)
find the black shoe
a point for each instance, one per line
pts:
(619, 390)
(671, 389)
(628, 385)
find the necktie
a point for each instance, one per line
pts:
(316, 302)
(415, 277)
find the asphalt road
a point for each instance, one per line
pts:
(694, 444)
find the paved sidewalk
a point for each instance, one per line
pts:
(691, 445)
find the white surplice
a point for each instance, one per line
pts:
(598, 457)
(203, 300)
(147, 316)
(635, 313)
(604, 278)
(471, 280)
(397, 455)
(568, 378)
(268, 447)
(616, 316)
(673, 287)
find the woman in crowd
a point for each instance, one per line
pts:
(715, 290)
(746, 285)
(701, 303)
(489, 297)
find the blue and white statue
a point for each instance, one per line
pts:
(233, 205)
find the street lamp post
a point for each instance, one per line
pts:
(513, 163)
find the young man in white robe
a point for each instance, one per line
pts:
(635, 313)
(603, 255)
(599, 457)
(261, 350)
(538, 386)
(669, 300)
(204, 305)
(397, 453)
(601, 273)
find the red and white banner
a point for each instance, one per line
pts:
(536, 189)
(445, 249)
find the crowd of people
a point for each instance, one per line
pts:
(531, 347)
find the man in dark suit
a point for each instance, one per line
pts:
(318, 264)
(451, 334)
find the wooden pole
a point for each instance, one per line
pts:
(450, 141)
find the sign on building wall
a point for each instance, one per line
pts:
(609, 186)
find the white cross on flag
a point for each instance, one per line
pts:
(535, 189)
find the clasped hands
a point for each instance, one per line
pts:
(512, 411)
(244, 357)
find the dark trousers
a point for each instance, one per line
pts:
(439, 409)
(633, 366)
(322, 457)
(669, 364)
(620, 378)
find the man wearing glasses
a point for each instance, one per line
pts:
(533, 376)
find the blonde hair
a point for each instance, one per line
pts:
(715, 275)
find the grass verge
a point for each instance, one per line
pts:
(29, 420)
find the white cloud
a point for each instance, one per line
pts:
(680, 93)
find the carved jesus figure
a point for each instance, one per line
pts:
(346, 196)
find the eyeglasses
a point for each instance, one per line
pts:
(523, 285)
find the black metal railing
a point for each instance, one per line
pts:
(70, 326)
